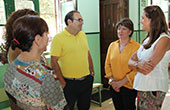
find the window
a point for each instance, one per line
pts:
(20, 4)
(2, 13)
(54, 11)
(1, 34)
(65, 7)
(2, 21)
(47, 12)
(164, 5)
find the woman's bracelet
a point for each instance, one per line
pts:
(136, 64)
(110, 80)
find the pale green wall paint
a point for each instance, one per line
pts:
(89, 10)
(142, 36)
(2, 72)
(133, 12)
(94, 45)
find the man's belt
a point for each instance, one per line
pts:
(78, 79)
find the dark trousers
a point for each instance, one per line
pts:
(125, 99)
(13, 102)
(79, 91)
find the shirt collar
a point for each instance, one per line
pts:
(129, 41)
(68, 34)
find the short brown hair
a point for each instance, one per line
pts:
(11, 19)
(25, 29)
(127, 23)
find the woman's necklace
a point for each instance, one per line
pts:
(122, 46)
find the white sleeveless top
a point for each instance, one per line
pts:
(156, 80)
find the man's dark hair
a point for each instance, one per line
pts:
(70, 16)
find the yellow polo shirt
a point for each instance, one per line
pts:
(116, 64)
(72, 52)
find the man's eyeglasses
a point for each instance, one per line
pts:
(78, 19)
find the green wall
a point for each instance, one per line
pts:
(89, 10)
(2, 72)
(4, 102)
(135, 13)
(94, 45)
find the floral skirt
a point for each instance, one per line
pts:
(150, 100)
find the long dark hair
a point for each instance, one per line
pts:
(25, 29)
(158, 24)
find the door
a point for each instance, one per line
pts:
(111, 11)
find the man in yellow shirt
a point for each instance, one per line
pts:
(71, 60)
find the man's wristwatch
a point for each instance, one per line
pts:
(91, 73)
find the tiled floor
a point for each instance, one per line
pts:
(166, 103)
(108, 105)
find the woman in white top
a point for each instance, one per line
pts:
(151, 60)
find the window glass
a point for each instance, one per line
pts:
(47, 12)
(66, 7)
(2, 40)
(63, 7)
(20, 4)
(2, 22)
(2, 12)
(164, 4)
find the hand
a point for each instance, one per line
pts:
(117, 90)
(63, 84)
(116, 85)
(145, 67)
(92, 74)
